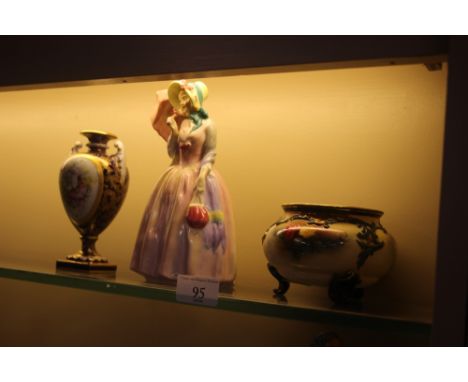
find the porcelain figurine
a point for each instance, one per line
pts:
(93, 185)
(344, 248)
(187, 227)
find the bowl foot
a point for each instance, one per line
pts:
(343, 289)
(283, 284)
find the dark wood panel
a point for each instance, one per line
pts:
(47, 59)
(450, 310)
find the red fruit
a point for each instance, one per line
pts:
(197, 216)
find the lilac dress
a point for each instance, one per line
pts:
(166, 245)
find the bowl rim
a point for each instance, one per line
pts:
(336, 209)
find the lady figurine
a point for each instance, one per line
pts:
(187, 227)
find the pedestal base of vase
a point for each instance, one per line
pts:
(87, 258)
(86, 266)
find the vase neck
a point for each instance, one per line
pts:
(97, 149)
(97, 141)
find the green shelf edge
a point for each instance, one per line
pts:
(225, 303)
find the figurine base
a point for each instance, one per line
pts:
(85, 266)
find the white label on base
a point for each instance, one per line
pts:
(197, 290)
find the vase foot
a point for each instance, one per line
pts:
(85, 265)
(283, 284)
(344, 291)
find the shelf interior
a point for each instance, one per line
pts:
(297, 304)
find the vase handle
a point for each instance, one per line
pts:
(76, 147)
(119, 158)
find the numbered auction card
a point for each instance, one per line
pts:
(197, 290)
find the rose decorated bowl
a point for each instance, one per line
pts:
(344, 248)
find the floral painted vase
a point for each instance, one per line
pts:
(93, 185)
(344, 248)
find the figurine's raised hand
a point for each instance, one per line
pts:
(163, 110)
(171, 122)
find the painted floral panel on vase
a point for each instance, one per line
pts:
(80, 185)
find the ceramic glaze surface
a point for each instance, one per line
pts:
(81, 186)
(312, 244)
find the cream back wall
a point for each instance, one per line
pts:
(369, 137)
